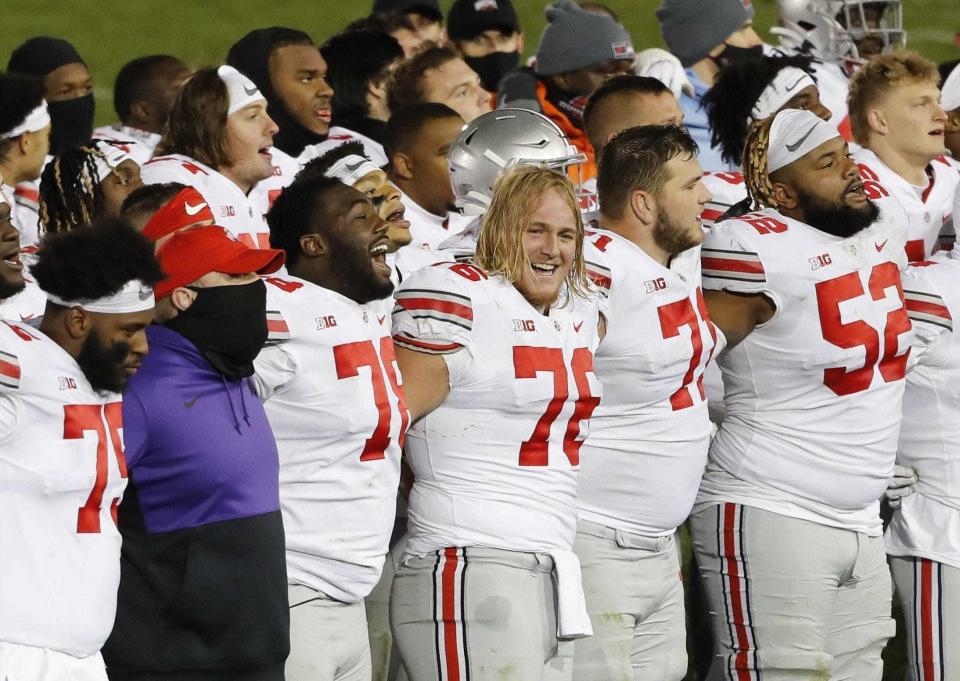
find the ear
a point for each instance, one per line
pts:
(377, 91)
(182, 298)
(25, 143)
(785, 196)
(140, 111)
(77, 322)
(643, 206)
(313, 245)
(402, 166)
(877, 122)
(520, 43)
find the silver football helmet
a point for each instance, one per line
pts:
(491, 144)
(876, 26)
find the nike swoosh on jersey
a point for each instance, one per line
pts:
(880, 246)
(380, 319)
(189, 403)
(576, 327)
(796, 145)
(193, 210)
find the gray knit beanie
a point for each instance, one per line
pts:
(576, 39)
(691, 28)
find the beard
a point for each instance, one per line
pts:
(837, 219)
(8, 289)
(354, 271)
(103, 364)
(670, 237)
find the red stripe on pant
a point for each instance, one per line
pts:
(448, 605)
(926, 619)
(742, 644)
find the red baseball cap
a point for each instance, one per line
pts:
(185, 209)
(188, 255)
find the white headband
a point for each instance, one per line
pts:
(350, 169)
(36, 120)
(950, 92)
(784, 87)
(794, 133)
(241, 90)
(133, 297)
(114, 152)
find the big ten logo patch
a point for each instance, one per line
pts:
(820, 261)
(654, 285)
(67, 383)
(325, 322)
(524, 325)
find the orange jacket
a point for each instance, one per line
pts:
(577, 137)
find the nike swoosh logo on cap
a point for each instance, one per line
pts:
(193, 210)
(796, 145)
(250, 91)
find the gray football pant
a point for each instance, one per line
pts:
(791, 599)
(635, 599)
(328, 639)
(478, 613)
(930, 592)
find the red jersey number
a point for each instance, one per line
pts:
(858, 333)
(77, 420)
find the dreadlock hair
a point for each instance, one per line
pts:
(70, 193)
(734, 94)
(321, 164)
(759, 186)
(143, 202)
(87, 264)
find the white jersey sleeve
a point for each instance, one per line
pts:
(62, 473)
(726, 189)
(336, 406)
(813, 396)
(496, 463)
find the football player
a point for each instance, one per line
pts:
(331, 348)
(223, 162)
(59, 396)
(898, 121)
(497, 364)
(649, 436)
(786, 526)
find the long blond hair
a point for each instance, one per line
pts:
(516, 196)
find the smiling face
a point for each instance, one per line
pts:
(11, 270)
(250, 134)
(298, 74)
(913, 120)
(550, 244)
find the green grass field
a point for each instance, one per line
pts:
(108, 34)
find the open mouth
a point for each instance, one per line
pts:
(378, 253)
(396, 218)
(265, 152)
(542, 269)
(12, 261)
(855, 191)
(323, 113)
(936, 133)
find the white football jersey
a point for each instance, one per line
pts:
(427, 232)
(929, 209)
(265, 192)
(726, 188)
(332, 393)
(928, 522)
(813, 396)
(238, 213)
(496, 463)
(138, 144)
(62, 474)
(649, 436)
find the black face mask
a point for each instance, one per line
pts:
(228, 324)
(492, 67)
(738, 55)
(72, 123)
